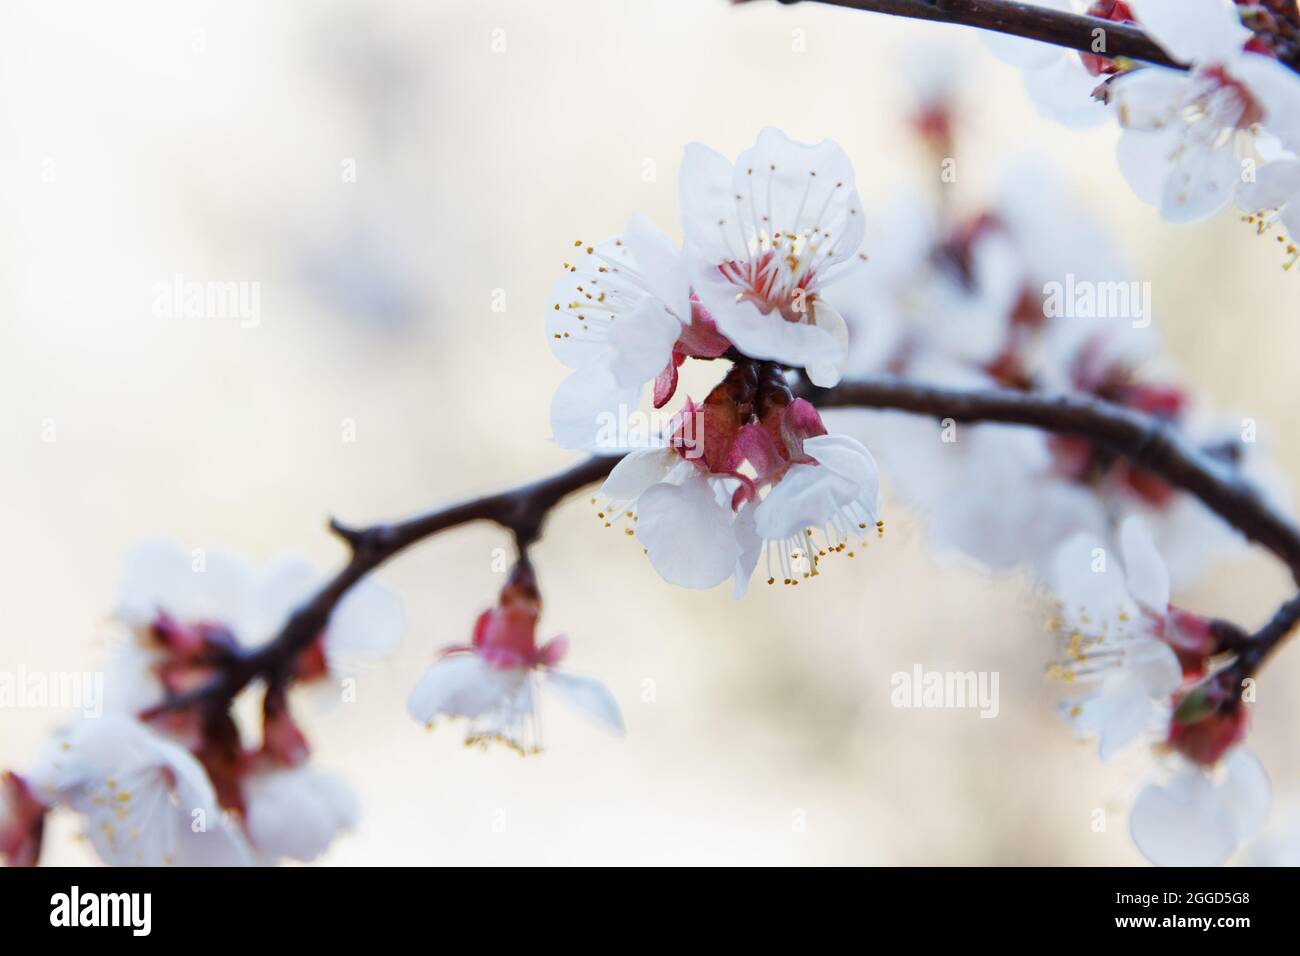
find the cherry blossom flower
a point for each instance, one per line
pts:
(1185, 134)
(494, 681)
(1200, 816)
(966, 305)
(146, 800)
(764, 236)
(682, 515)
(1149, 661)
(764, 481)
(186, 611)
(678, 498)
(637, 278)
(1271, 198)
(1116, 624)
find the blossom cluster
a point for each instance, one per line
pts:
(999, 296)
(781, 283)
(750, 473)
(1226, 129)
(160, 785)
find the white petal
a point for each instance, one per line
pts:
(827, 374)
(221, 844)
(1182, 823)
(1149, 99)
(1245, 792)
(849, 459)
(750, 549)
(588, 697)
(638, 471)
(200, 585)
(287, 582)
(577, 336)
(1291, 218)
(642, 343)
(1277, 89)
(1155, 665)
(155, 573)
(187, 776)
(297, 813)
(460, 685)
(1143, 160)
(1089, 581)
(759, 335)
(708, 204)
(1194, 820)
(810, 496)
(1062, 91)
(367, 625)
(1201, 181)
(587, 407)
(798, 187)
(1146, 574)
(1193, 31)
(1275, 184)
(660, 264)
(687, 534)
(1119, 711)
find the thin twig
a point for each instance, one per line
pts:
(1146, 442)
(1057, 27)
(520, 510)
(1269, 637)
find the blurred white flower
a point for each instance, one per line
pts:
(1186, 133)
(1272, 195)
(1114, 618)
(1058, 82)
(146, 800)
(1199, 817)
(296, 812)
(183, 607)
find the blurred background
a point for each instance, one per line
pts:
(402, 181)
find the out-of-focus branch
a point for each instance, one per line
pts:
(520, 510)
(1269, 637)
(1070, 30)
(1146, 442)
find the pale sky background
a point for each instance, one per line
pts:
(146, 140)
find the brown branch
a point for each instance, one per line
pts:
(1059, 28)
(520, 510)
(1146, 442)
(1269, 637)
